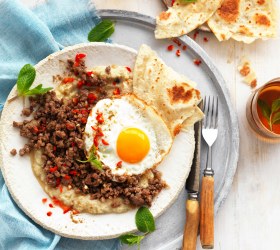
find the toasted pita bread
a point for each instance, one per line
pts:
(245, 20)
(172, 95)
(182, 18)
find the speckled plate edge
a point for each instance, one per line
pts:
(216, 78)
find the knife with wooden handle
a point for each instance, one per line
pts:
(192, 204)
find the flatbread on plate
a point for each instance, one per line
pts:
(245, 20)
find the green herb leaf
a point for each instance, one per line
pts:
(131, 239)
(96, 163)
(144, 220)
(101, 31)
(25, 79)
(92, 159)
(266, 111)
(275, 105)
(276, 118)
(37, 90)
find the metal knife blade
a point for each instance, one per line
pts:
(192, 183)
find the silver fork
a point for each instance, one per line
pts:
(209, 133)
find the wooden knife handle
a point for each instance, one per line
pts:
(191, 226)
(207, 212)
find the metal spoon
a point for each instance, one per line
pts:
(203, 27)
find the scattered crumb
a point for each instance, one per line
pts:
(249, 75)
(13, 152)
(74, 217)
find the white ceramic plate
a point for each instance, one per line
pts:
(27, 192)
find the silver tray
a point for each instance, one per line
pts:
(134, 29)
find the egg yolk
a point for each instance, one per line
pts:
(132, 145)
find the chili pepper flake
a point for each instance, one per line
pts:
(205, 39)
(80, 56)
(49, 213)
(172, 3)
(116, 91)
(73, 144)
(100, 118)
(35, 130)
(75, 100)
(170, 47)
(94, 128)
(114, 83)
(91, 98)
(54, 148)
(60, 188)
(68, 79)
(51, 205)
(197, 62)
(73, 172)
(89, 73)
(184, 47)
(128, 69)
(99, 132)
(178, 52)
(83, 120)
(119, 164)
(95, 141)
(58, 181)
(76, 64)
(53, 169)
(67, 177)
(59, 203)
(70, 126)
(195, 34)
(80, 84)
(44, 200)
(104, 142)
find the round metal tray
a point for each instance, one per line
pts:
(134, 29)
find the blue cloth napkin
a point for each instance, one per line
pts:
(28, 36)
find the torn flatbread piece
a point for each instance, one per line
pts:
(172, 95)
(245, 20)
(183, 18)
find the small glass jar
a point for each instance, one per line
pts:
(252, 111)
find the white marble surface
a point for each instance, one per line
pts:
(250, 217)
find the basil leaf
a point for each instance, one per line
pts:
(101, 31)
(25, 79)
(37, 90)
(266, 111)
(276, 118)
(131, 239)
(275, 105)
(144, 220)
(96, 163)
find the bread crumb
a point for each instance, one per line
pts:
(249, 75)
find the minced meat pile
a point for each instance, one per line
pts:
(57, 128)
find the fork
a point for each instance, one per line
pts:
(209, 133)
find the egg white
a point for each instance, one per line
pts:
(125, 112)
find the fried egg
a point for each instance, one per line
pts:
(128, 136)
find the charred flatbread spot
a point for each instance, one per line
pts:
(262, 20)
(178, 93)
(177, 129)
(261, 2)
(164, 15)
(229, 10)
(244, 30)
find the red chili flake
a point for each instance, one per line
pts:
(70, 126)
(66, 210)
(76, 64)
(178, 52)
(116, 91)
(51, 205)
(75, 100)
(184, 47)
(80, 84)
(68, 79)
(197, 62)
(205, 39)
(44, 200)
(91, 98)
(84, 112)
(94, 128)
(60, 188)
(89, 73)
(54, 148)
(195, 34)
(176, 41)
(104, 142)
(67, 177)
(95, 141)
(80, 56)
(83, 120)
(61, 204)
(35, 130)
(100, 118)
(75, 211)
(114, 83)
(99, 132)
(49, 213)
(73, 172)
(172, 3)
(53, 169)
(75, 111)
(128, 69)
(73, 144)
(88, 84)
(119, 164)
(170, 47)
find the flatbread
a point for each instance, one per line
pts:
(182, 18)
(172, 95)
(245, 20)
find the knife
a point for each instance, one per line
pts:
(192, 205)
